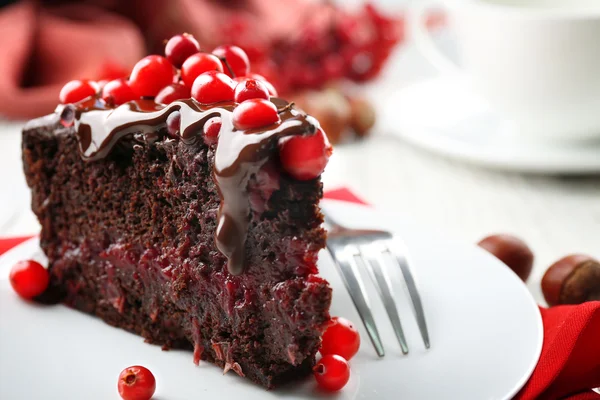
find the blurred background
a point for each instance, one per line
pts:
(354, 66)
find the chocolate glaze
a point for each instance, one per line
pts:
(239, 154)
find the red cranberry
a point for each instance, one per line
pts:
(174, 124)
(118, 92)
(175, 91)
(151, 74)
(341, 338)
(180, 47)
(136, 383)
(305, 157)
(77, 90)
(264, 80)
(235, 58)
(250, 89)
(332, 372)
(197, 64)
(255, 113)
(213, 87)
(29, 279)
(212, 128)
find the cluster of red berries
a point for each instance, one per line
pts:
(350, 45)
(221, 76)
(183, 72)
(339, 344)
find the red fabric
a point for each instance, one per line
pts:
(44, 47)
(8, 243)
(344, 194)
(570, 362)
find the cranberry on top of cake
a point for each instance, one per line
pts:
(209, 95)
(222, 76)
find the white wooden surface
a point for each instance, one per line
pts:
(554, 215)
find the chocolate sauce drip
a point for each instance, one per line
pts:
(238, 157)
(239, 154)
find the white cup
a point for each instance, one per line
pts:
(537, 62)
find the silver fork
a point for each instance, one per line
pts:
(352, 249)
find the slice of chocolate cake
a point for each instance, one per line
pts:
(191, 242)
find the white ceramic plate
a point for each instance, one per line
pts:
(445, 116)
(485, 328)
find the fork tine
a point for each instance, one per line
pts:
(344, 260)
(399, 254)
(375, 266)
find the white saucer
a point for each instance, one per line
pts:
(486, 336)
(445, 116)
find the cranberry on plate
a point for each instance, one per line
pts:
(332, 372)
(136, 383)
(29, 279)
(341, 338)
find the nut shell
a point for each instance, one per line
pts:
(330, 108)
(572, 280)
(512, 251)
(363, 115)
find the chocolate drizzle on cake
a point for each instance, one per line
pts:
(239, 154)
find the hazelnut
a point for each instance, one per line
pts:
(512, 251)
(330, 108)
(362, 115)
(574, 279)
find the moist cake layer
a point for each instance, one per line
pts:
(131, 238)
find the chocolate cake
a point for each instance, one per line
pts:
(189, 243)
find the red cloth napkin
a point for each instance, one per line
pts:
(44, 47)
(8, 243)
(569, 366)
